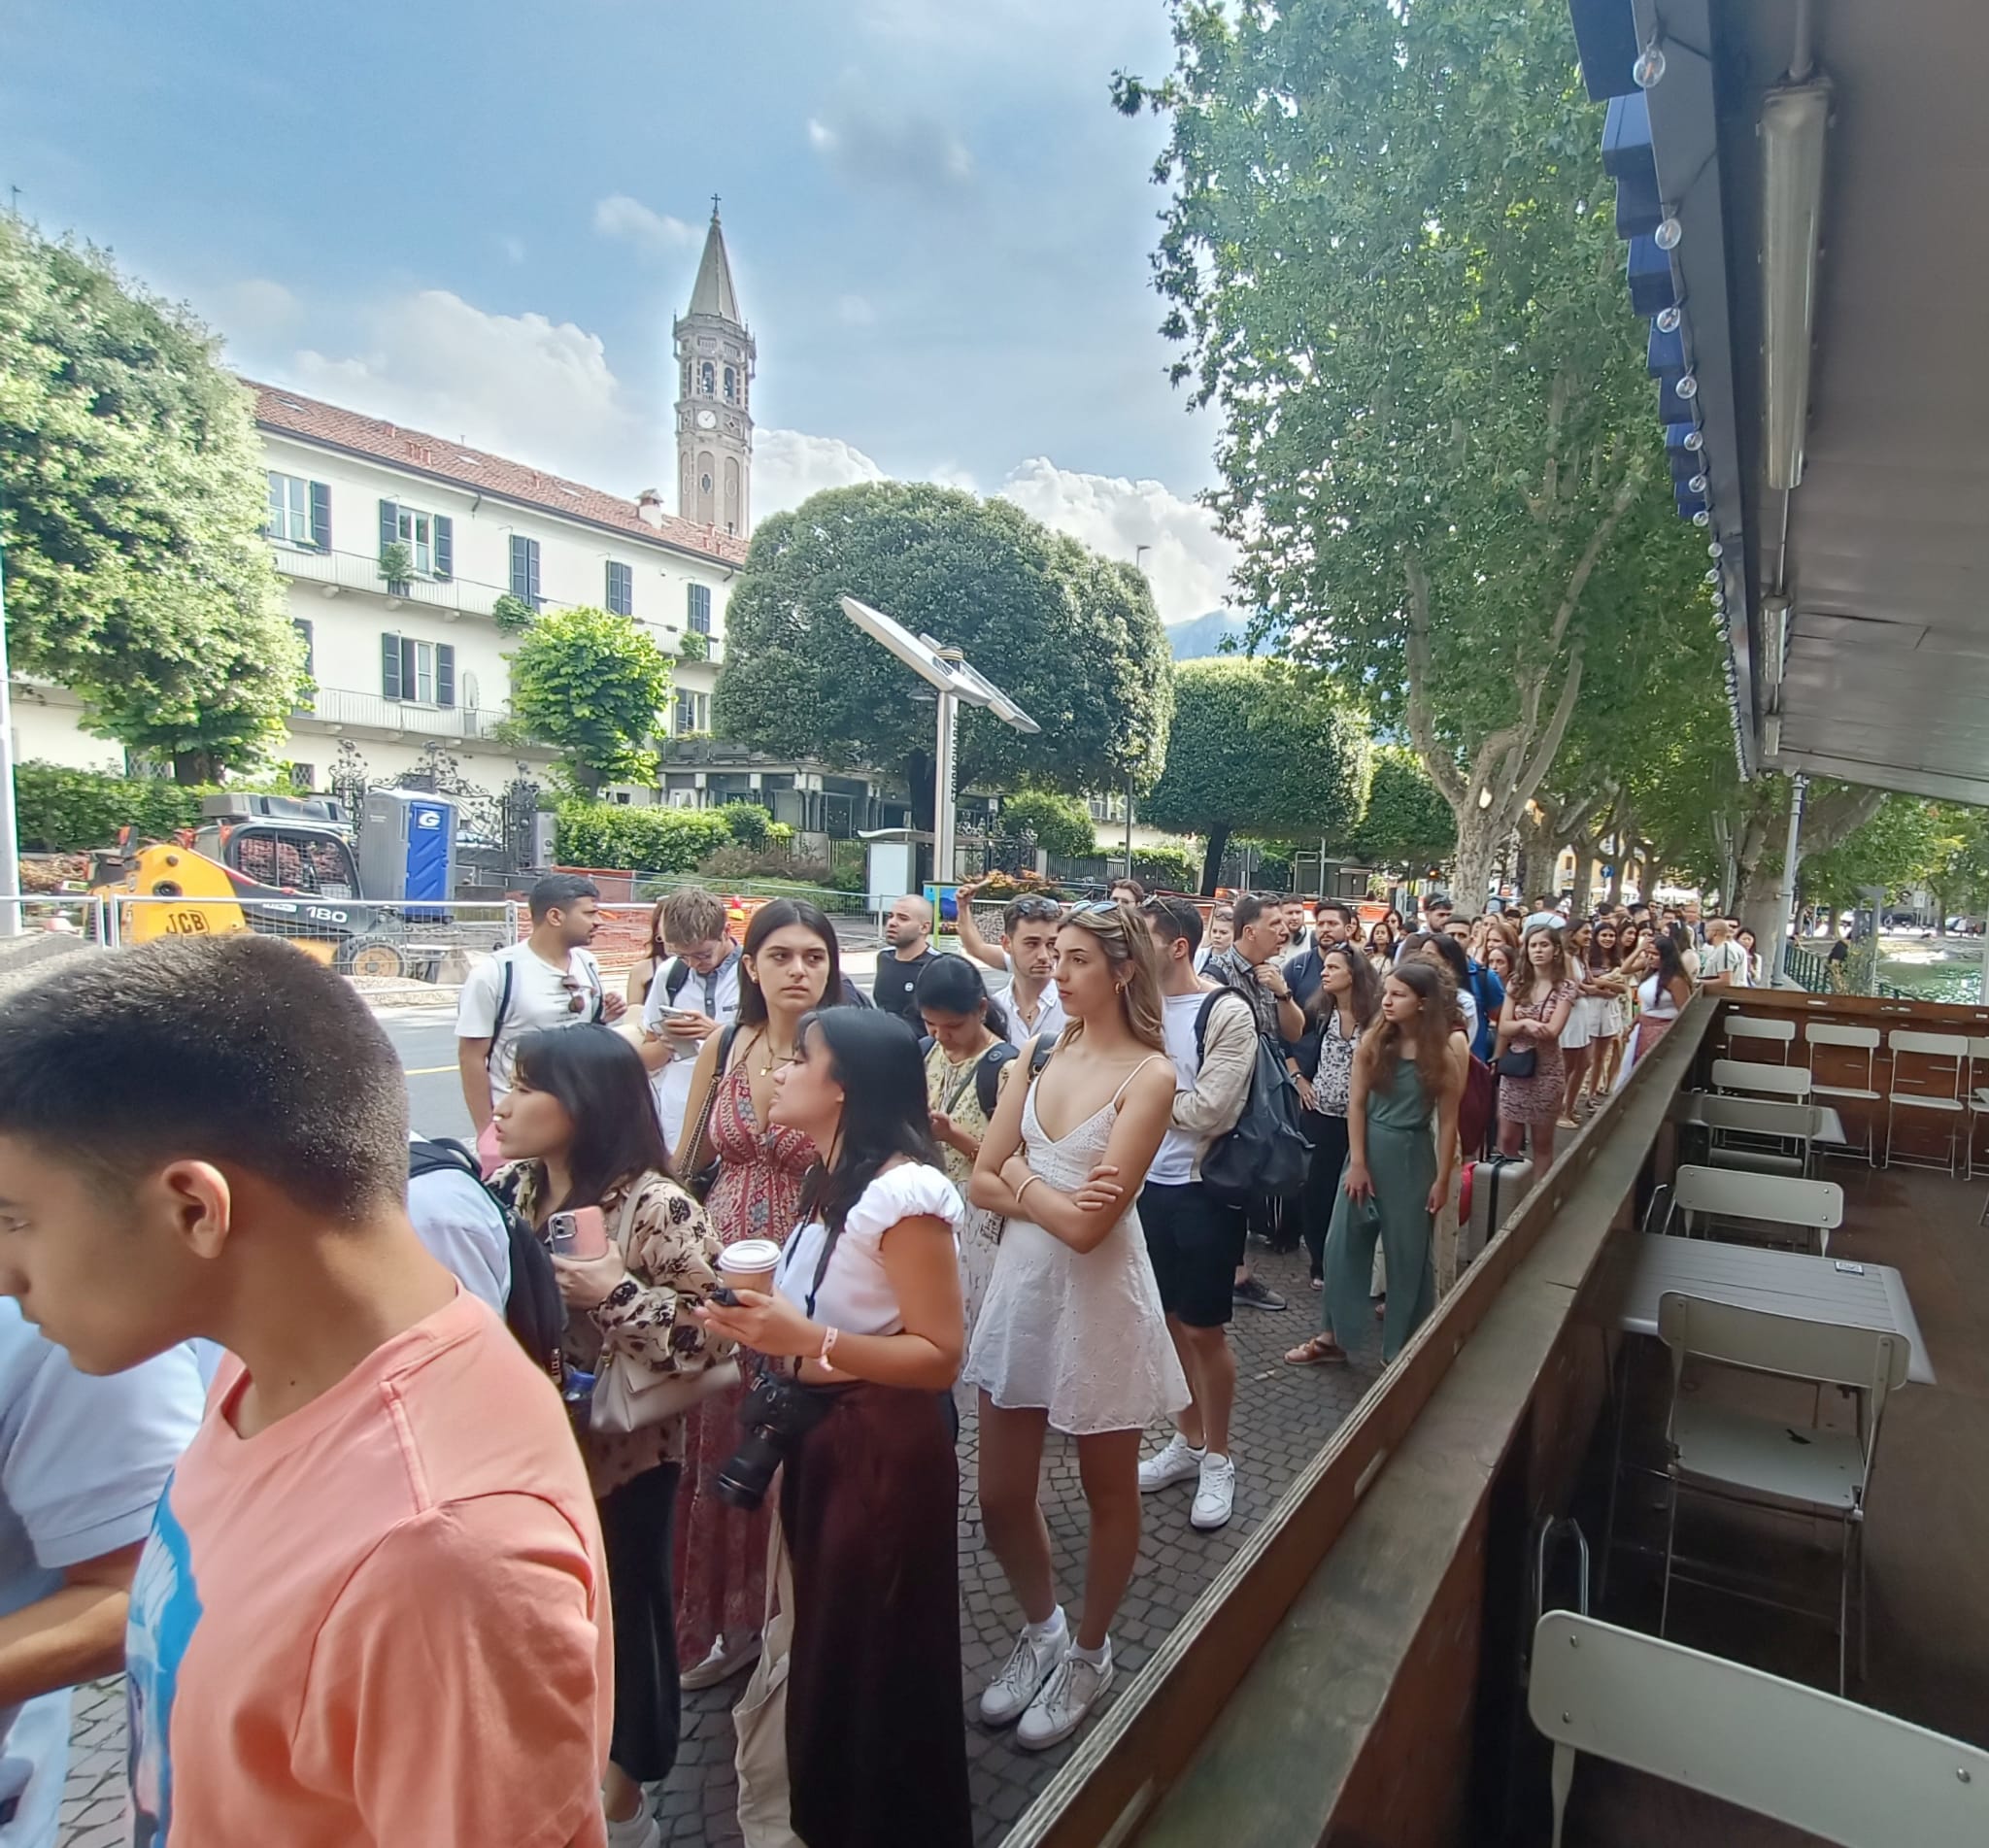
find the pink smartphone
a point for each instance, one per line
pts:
(581, 1233)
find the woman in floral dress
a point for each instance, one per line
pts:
(1538, 1003)
(789, 963)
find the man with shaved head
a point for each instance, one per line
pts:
(907, 933)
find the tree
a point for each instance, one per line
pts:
(1390, 256)
(1061, 824)
(1897, 849)
(1072, 637)
(1408, 826)
(1259, 748)
(132, 498)
(592, 686)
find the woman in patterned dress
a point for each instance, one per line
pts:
(1538, 1004)
(789, 964)
(576, 1130)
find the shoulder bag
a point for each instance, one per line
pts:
(631, 1396)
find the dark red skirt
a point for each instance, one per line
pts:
(877, 1750)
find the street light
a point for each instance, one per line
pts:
(954, 679)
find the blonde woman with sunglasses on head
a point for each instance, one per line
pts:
(1071, 1333)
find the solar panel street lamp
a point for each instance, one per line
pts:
(954, 680)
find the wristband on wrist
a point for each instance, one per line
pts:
(828, 1336)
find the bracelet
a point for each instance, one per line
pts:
(821, 1359)
(1025, 1188)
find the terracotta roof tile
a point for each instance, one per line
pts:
(291, 414)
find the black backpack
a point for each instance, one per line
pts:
(534, 1311)
(1266, 1152)
(988, 1068)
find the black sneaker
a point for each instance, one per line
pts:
(1252, 1293)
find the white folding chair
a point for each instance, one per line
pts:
(1778, 1199)
(1853, 1040)
(1790, 1083)
(1940, 1093)
(1757, 1134)
(1978, 1101)
(1780, 1033)
(1825, 1765)
(1764, 1462)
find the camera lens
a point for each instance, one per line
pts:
(743, 1478)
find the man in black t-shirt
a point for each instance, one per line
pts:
(907, 933)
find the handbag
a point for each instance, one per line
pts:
(1518, 1062)
(631, 1396)
(699, 1180)
(761, 1718)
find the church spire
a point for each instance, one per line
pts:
(713, 293)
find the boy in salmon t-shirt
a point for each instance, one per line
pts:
(373, 1608)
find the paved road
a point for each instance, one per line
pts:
(424, 1038)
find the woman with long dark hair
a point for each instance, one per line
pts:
(1538, 1006)
(966, 1067)
(1381, 942)
(1604, 985)
(791, 966)
(656, 953)
(577, 1130)
(1662, 991)
(866, 1301)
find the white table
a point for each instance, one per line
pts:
(1810, 1123)
(1782, 1283)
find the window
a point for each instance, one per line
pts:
(693, 712)
(731, 385)
(418, 673)
(525, 569)
(469, 693)
(621, 588)
(697, 607)
(430, 538)
(303, 627)
(707, 377)
(303, 776)
(299, 511)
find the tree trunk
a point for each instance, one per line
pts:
(196, 766)
(1584, 880)
(917, 768)
(1212, 851)
(1477, 842)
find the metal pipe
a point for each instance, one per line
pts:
(942, 795)
(1802, 60)
(1796, 787)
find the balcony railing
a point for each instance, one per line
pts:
(346, 707)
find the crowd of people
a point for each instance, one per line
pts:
(783, 1236)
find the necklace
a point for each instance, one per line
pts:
(768, 1060)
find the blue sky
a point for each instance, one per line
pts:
(479, 218)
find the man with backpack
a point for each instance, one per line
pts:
(1195, 1241)
(694, 995)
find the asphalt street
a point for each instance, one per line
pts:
(424, 1038)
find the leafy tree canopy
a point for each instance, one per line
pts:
(1259, 748)
(1061, 824)
(1072, 637)
(592, 686)
(132, 500)
(1408, 826)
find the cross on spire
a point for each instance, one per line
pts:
(714, 204)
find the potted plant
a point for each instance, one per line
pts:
(396, 567)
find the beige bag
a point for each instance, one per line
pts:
(631, 1396)
(765, 1816)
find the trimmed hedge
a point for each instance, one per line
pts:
(1167, 867)
(60, 810)
(654, 840)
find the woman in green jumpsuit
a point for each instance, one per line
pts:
(1396, 1180)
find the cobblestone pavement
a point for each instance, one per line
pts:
(1283, 1416)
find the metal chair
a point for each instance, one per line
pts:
(1977, 1102)
(1946, 1056)
(1755, 1133)
(1842, 1772)
(1790, 1083)
(1780, 1033)
(1777, 1199)
(1764, 1462)
(1853, 1039)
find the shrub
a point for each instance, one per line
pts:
(748, 823)
(59, 810)
(1061, 824)
(652, 840)
(1167, 869)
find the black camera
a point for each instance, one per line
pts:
(778, 1413)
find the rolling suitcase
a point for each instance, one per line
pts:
(1492, 1190)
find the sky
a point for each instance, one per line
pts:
(478, 220)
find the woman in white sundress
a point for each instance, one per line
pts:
(1072, 1334)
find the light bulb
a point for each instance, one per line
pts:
(1687, 386)
(1649, 66)
(1667, 233)
(1697, 485)
(1669, 317)
(1694, 440)
(1719, 600)
(1712, 577)
(1701, 518)
(1716, 550)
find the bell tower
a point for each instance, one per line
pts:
(715, 359)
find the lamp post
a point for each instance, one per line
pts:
(10, 851)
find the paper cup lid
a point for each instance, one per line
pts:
(750, 1254)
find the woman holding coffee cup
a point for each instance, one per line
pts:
(866, 1307)
(578, 1138)
(789, 967)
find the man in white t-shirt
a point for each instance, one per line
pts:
(1196, 1243)
(1028, 952)
(549, 980)
(691, 996)
(1723, 963)
(83, 1462)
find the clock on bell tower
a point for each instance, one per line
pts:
(715, 361)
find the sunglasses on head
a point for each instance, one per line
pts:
(1095, 908)
(1038, 908)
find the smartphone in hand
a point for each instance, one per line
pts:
(580, 1233)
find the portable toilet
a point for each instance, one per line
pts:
(407, 847)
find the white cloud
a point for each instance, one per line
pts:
(652, 232)
(914, 153)
(853, 311)
(822, 138)
(513, 248)
(952, 475)
(520, 384)
(1189, 562)
(788, 465)
(260, 307)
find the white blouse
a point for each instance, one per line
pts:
(855, 1294)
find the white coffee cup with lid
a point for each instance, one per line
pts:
(750, 1265)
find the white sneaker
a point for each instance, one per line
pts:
(1215, 1494)
(1033, 1661)
(1065, 1702)
(640, 1830)
(1177, 1463)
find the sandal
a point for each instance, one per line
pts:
(1317, 1352)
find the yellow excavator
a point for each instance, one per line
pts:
(279, 866)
